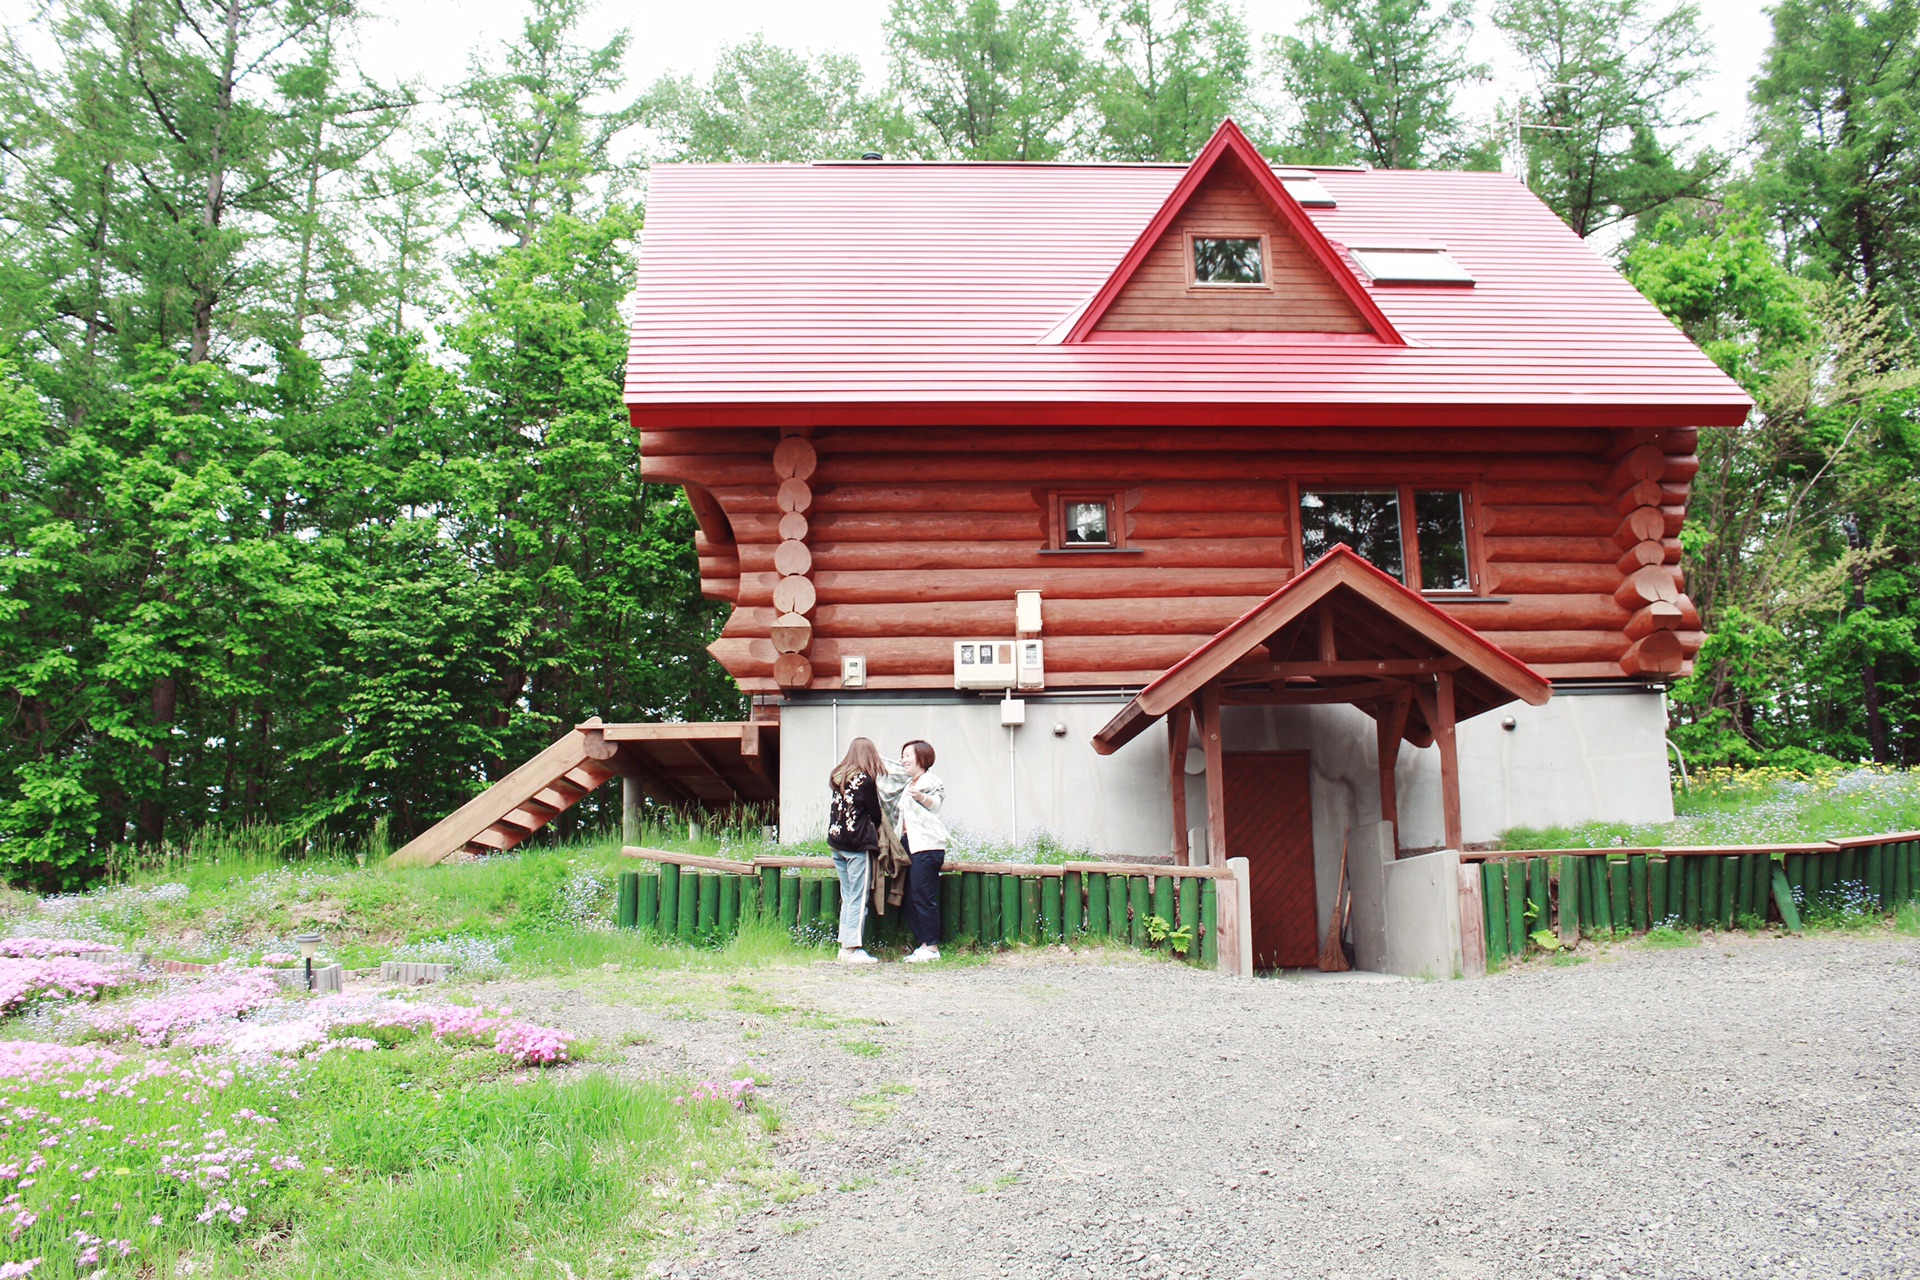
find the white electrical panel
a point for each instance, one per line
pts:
(983, 664)
(853, 671)
(1030, 665)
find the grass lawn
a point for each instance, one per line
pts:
(1756, 806)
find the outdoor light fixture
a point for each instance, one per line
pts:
(309, 948)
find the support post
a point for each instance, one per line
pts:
(1179, 725)
(631, 810)
(1449, 759)
(1390, 722)
(1216, 777)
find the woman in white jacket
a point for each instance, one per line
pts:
(926, 839)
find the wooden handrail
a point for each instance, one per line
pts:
(813, 862)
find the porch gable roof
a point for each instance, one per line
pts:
(1359, 628)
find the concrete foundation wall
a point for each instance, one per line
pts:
(1581, 757)
(1004, 786)
(1423, 916)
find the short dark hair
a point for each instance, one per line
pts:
(922, 751)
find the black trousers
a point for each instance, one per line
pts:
(923, 895)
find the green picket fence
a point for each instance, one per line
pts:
(981, 905)
(1605, 892)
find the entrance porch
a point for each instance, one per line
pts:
(1340, 633)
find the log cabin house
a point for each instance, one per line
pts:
(1309, 466)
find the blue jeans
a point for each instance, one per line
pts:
(855, 870)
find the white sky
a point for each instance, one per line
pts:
(431, 39)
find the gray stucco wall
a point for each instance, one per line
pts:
(1583, 756)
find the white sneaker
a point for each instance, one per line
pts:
(924, 954)
(855, 955)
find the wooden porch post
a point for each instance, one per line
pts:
(1449, 759)
(1216, 780)
(631, 811)
(1228, 922)
(1179, 726)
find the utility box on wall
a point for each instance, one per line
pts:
(1030, 665)
(984, 664)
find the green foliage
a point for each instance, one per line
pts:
(1803, 517)
(1668, 937)
(1833, 106)
(1161, 932)
(250, 585)
(1172, 72)
(986, 81)
(765, 104)
(1375, 82)
(1606, 125)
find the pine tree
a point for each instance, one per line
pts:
(1373, 82)
(1172, 72)
(1606, 129)
(986, 81)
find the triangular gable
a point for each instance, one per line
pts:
(1228, 187)
(1487, 676)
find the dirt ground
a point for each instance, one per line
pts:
(1742, 1108)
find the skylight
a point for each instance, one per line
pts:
(1305, 188)
(1410, 264)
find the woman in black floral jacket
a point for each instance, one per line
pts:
(853, 832)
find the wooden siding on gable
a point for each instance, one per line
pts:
(914, 549)
(1300, 297)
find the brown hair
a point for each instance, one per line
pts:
(922, 751)
(862, 757)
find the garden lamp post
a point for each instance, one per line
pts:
(309, 947)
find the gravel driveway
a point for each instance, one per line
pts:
(1744, 1108)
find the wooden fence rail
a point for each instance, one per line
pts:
(1604, 892)
(982, 904)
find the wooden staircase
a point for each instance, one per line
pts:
(512, 809)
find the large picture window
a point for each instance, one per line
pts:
(1418, 535)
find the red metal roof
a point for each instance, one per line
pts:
(925, 292)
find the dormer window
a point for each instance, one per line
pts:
(1229, 261)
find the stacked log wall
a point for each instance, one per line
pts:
(918, 538)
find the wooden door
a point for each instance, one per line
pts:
(1270, 824)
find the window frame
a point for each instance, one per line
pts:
(1196, 285)
(1409, 533)
(1057, 502)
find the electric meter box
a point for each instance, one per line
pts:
(984, 664)
(1030, 667)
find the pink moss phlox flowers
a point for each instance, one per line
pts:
(157, 1021)
(736, 1092)
(35, 1059)
(41, 948)
(523, 1043)
(14, 1270)
(22, 982)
